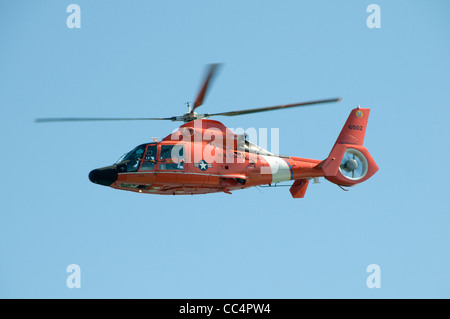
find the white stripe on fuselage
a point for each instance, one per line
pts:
(279, 169)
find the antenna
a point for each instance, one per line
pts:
(188, 106)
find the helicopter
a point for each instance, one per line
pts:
(204, 156)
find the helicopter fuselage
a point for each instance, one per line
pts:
(203, 156)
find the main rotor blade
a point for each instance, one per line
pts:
(90, 119)
(271, 108)
(201, 95)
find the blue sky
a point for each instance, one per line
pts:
(146, 59)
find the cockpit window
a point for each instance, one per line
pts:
(148, 164)
(121, 158)
(144, 158)
(134, 157)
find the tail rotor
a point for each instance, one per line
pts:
(354, 165)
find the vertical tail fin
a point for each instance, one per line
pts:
(349, 162)
(355, 128)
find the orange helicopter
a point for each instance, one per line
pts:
(204, 156)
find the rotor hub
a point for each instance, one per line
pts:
(351, 164)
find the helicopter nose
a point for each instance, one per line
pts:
(103, 176)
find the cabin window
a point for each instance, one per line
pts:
(171, 157)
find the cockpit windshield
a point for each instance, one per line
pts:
(136, 153)
(121, 158)
(131, 159)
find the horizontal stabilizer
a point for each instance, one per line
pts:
(298, 189)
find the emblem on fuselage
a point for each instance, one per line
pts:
(202, 165)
